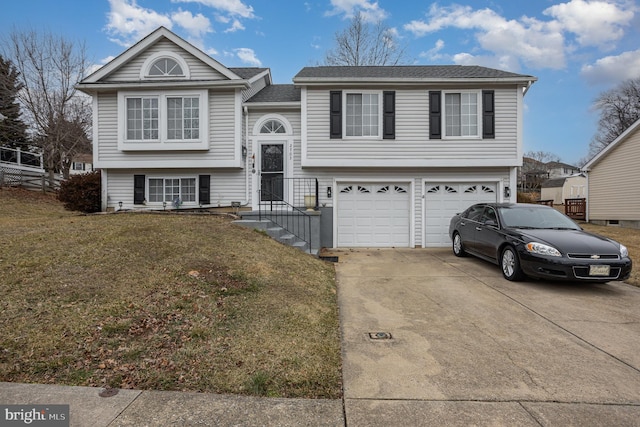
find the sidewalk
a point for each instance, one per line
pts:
(163, 408)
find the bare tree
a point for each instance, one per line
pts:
(362, 43)
(619, 108)
(534, 170)
(50, 66)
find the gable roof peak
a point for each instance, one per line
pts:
(150, 40)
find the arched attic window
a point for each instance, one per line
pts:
(273, 126)
(164, 65)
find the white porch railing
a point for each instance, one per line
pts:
(20, 159)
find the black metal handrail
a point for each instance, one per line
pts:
(282, 201)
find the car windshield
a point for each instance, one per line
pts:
(536, 217)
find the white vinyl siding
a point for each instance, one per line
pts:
(614, 193)
(226, 185)
(220, 149)
(412, 146)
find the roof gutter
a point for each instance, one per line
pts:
(209, 84)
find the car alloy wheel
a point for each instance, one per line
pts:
(510, 265)
(458, 250)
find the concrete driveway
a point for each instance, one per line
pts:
(470, 348)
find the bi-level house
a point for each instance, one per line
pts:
(388, 154)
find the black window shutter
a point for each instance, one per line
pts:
(389, 115)
(204, 189)
(435, 114)
(335, 114)
(138, 189)
(488, 114)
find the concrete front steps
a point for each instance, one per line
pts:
(278, 233)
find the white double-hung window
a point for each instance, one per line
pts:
(163, 121)
(362, 114)
(462, 114)
(171, 189)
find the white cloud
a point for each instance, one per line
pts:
(248, 56)
(533, 42)
(231, 7)
(370, 10)
(236, 26)
(433, 54)
(612, 70)
(197, 26)
(595, 23)
(127, 22)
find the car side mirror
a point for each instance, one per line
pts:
(491, 223)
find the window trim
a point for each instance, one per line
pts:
(163, 142)
(479, 114)
(148, 63)
(170, 203)
(379, 94)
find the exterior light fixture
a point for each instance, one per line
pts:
(120, 204)
(507, 192)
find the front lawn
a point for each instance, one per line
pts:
(163, 302)
(630, 237)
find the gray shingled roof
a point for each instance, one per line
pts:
(555, 182)
(277, 93)
(247, 72)
(406, 72)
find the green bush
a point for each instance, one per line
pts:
(81, 192)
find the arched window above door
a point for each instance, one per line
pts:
(272, 126)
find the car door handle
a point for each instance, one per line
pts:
(478, 228)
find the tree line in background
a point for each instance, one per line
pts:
(43, 110)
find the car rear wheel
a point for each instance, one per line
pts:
(510, 265)
(458, 249)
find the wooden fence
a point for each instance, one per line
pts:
(576, 208)
(31, 180)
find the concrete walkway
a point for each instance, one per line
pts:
(429, 339)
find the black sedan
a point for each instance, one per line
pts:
(537, 241)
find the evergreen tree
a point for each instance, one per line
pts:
(13, 131)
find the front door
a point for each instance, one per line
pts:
(272, 172)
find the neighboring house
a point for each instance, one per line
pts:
(396, 150)
(560, 170)
(82, 163)
(560, 189)
(534, 173)
(612, 181)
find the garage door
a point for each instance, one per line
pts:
(443, 200)
(373, 214)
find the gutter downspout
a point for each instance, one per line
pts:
(526, 88)
(245, 112)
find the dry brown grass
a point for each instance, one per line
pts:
(165, 302)
(629, 237)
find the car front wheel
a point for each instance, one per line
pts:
(510, 265)
(458, 249)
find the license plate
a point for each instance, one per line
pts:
(598, 270)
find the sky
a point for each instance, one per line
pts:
(576, 48)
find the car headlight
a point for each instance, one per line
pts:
(624, 252)
(542, 249)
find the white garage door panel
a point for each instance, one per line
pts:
(373, 214)
(445, 200)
